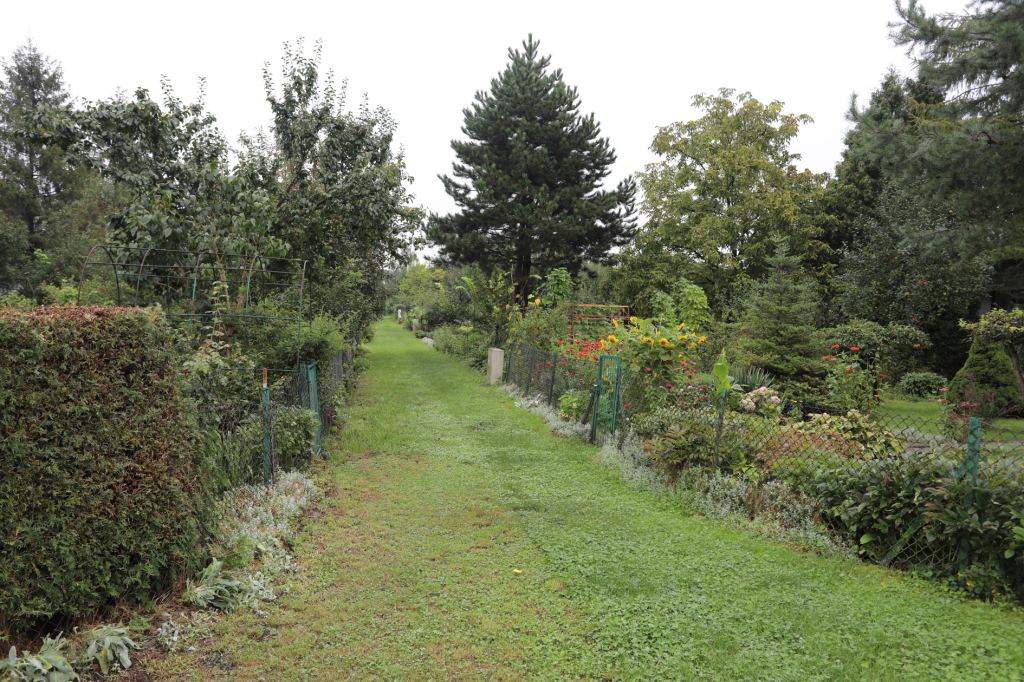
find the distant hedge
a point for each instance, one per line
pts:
(100, 494)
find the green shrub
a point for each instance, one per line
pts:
(101, 496)
(922, 384)
(573, 403)
(988, 367)
(463, 342)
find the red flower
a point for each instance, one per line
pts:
(825, 357)
(854, 348)
(882, 375)
(626, 406)
(847, 371)
(836, 346)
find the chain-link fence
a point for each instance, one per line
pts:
(277, 426)
(908, 491)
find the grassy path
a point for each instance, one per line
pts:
(464, 542)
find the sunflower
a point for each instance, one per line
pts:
(663, 342)
(612, 339)
(614, 323)
(680, 327)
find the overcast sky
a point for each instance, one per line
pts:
(636, 65)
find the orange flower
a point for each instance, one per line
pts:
(825, 357)
(854, 348)
(847, 371)
(836, 346)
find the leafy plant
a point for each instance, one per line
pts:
(215, 588)
(870, 438)
(749, 378)
(572, 404)
(49, 665)
(109, 647)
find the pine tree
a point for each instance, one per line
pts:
(961, 147)
(528, 180)
(33, 178)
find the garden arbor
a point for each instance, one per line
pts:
(202, 289)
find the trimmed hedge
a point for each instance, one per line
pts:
(100, 496)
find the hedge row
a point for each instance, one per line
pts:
(100, 493)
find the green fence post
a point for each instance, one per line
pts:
(266, 430)
(971, 476)
(314, 404)
(721, 424)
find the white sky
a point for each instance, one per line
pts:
(636, 65)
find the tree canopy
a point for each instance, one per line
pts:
(962, 147)
(34, 178)
(725, 185)
(529, 178)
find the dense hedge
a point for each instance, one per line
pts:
(100, 496)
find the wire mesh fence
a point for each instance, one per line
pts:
(910, 491)
(261, 430)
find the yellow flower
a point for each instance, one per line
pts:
(701, 339)
(680, 327)
(680, 338)
(647, 340)
(611, 337)
(663, 342)
(633, 320)
(614, 323)
(537, 302)
(670, 346)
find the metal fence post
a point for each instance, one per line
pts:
(551, 391)
(721, 424)
(529, 374)
(314, 404)
(971, 477)
(266, 430)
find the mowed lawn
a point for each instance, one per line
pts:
(462, 541)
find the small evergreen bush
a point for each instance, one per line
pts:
(988, 367)
(101, 496)
(922, 384)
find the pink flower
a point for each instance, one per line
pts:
(943, 389)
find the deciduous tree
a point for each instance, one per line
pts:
(725, 185)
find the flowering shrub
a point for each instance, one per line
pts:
(852, 384)
(649, 345)
(762, 401)
(572, 404)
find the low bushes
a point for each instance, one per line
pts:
(463, 342)
(101, 495)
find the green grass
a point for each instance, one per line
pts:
(927, 416)
(463, 541)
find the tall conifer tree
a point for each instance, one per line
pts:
(33, 178)
(528, 180)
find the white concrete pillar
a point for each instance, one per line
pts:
(415, 324)
(495, 365)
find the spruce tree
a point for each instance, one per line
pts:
(528, 179)
(33, 177)
(776, 331)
